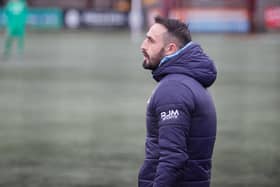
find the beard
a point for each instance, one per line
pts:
(152, 63)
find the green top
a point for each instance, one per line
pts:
(16, 13)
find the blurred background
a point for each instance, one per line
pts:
(72, 108)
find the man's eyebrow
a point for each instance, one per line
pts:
(150, 38)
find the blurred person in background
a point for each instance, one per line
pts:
(181, 116)
(15, 12)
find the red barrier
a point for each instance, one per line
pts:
(272, 18)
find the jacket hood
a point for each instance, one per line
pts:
(190, 61)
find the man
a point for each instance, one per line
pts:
(15, 12)
(181, 117)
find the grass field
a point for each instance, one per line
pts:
(72, 112)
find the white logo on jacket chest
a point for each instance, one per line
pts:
(171, 114)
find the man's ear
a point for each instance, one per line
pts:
(171, 48)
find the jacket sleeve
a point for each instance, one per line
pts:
(174, 105)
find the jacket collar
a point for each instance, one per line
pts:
(167, 58)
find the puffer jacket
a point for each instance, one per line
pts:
(181, 122)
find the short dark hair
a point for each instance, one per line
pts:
(176, 28)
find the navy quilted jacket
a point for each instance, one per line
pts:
(181, 122)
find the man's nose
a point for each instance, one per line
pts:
(143, 45)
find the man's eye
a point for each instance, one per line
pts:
(150, 40)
